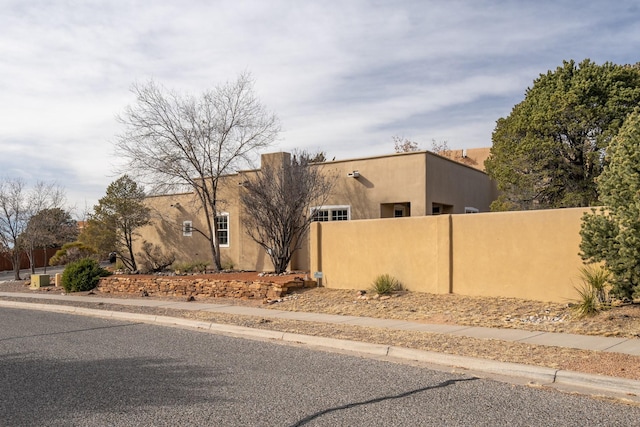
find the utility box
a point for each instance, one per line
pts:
(39, 280)
(58, 279)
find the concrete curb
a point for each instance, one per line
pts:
(338, 344)
(537, 374)
(599, 382)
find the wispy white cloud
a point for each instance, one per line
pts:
(343, 76)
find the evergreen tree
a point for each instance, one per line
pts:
(612, 233)
(100, 235)
(548, 152)
(116, 217)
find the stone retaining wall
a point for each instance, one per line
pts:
(197, 286)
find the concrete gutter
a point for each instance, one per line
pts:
(564, 380)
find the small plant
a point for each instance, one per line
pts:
(190, 267)
(593, 292)
(386, 284)
(227, 264)
(588, 304)
(598, 279)
(82, 275)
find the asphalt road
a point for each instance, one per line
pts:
(67, 370)
(24, 274)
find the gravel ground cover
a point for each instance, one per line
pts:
(622, 321)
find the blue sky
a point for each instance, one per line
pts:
(343, 76)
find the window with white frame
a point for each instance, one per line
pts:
(340, 215)
(331, 213)
(187, 228)
(222, 225)
(469, 209)
(320, 215)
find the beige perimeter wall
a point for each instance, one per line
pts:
(531, 255)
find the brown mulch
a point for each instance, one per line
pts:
(623, 321)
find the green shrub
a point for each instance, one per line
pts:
(190, 267)
(385, 284)
(71, 252)
(82, 275)
(227, 263)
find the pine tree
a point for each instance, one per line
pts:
(548, 152)
(612, 233)
(117, 216)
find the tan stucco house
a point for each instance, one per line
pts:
(390, 186)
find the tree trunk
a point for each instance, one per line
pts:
(134, 267)
(16, 264)
(213, 239)
(32, 264)
(280, 263)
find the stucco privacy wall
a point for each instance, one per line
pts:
(351, 254)
(531, 255)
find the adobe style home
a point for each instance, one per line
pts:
(390, 186)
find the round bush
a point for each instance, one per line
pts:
(82, 275)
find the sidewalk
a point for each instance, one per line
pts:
(546, 376)
(583, 342)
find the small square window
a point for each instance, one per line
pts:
(187, 228)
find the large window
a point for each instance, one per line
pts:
(222, 224)
(331, 213)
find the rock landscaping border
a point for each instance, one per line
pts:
(198, 286)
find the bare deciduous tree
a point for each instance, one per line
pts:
(49, 227)
(13, 219)
(173, 140)
(403, 145)
(441, 148)
(18, 205)
(277, 204)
